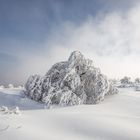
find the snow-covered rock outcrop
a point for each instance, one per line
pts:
(72, 82)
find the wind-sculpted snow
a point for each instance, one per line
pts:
(72, 82)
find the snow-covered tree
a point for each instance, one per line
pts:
(126, 80)
(137, 84)
(33, 87)
(137, 80)
(71, 82)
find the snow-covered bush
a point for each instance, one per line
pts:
(137, 84)
(137, 87)
(1, 87)
(11, 86)
(33, 87)
(137, 80)
(126, 82)
(72, 82)
(16, 110)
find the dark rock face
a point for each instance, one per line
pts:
(73, 82)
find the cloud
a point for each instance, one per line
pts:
(110, 39)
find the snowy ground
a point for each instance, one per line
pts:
(117, 118)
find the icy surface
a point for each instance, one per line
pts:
(72, 82)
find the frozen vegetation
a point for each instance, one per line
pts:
(72, 82)
(126, 82)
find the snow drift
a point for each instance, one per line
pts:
(72, 82)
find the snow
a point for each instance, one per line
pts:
(1, 87)
(117, 118)
(13, 98)
(11, 86)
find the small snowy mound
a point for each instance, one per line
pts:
(16, 111)
(72, 82)
(6, 110)
(11, 86)
(1, 87)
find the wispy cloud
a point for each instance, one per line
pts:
(111, 39)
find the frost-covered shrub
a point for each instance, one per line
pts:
(16, 111)
(137, 84)
(34, 87)
(69, 98)
(126, 83)
(125, 80)
(72, 82)
(1, 87)
(11, 86)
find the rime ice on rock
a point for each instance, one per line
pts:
(72, 82)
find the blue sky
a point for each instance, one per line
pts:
(34, 34)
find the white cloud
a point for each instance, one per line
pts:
(113, 42)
